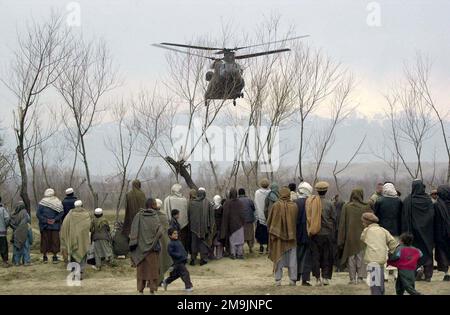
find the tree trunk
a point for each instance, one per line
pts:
(24, 178)
(181, 169)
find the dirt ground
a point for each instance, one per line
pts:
(250, 276)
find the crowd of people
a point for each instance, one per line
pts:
(307, 233)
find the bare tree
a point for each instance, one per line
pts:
(338, 170)
(82, 85)
(42, 51)
(340, 110)
(410, 124)
(418, 77)
(122, 145)
(318, 78)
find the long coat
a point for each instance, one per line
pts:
(134, 201)
(350, 225)
(164, 258)
(282, 225)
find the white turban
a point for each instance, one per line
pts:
(69, 191)
(49, 192)
(78, 204)
(98, 211)
(389, 190)
(217, 200)
(158, 203)
(202, 188)
(305, 189)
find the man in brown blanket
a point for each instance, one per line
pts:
(349, 235)
(233, 222)
(134, 201)
(282, 225)
(146, 232)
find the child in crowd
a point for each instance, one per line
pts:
(101, 238)
(405, 258)
(179, 257)
(377, 241)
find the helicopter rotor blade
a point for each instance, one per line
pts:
(262, 53)
(269, 43)
(190, 46)
(184, 52)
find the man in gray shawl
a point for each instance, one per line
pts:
(146, 232)
(50, 213)
(201, 223)
(177, 201)
(22, 235)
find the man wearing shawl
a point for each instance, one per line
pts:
(177, 201)
(75, 240)
(146, 232)
(134, 201)
(261, 233)
(442, 229)
(164, 258)
(201, 225)
(22, 235)
(233, 222)
(218, 215)
(281, 223)
(417, 219)
(349, 236)
(50, 213)
(304, 258)
(337, 204)
(249, 216)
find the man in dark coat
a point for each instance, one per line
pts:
(442, 229)
(338, 204)
(69, 201)
(134, 201)
(233, 222)
(201, 225)
(304, 257)
(249, 217)
(388, 209)
(417, 219)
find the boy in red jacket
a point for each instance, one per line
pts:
(405, 259)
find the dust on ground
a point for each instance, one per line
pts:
(253, 275)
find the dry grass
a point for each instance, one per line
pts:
(250, 276)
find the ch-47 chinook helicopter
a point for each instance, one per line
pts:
(225, 77)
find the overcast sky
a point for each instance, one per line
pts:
(373, 51)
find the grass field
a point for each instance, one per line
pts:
(250, 276)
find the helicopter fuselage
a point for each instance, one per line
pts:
(225, 80)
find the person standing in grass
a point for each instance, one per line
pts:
(22, 235)
(101, 238)
(50, 213)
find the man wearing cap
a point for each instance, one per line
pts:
(68, 202)
(101, 239)
(378, 242)
(321, 223)
(75, 239)
(49, 213)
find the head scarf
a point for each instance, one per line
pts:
(389, 190)
(50, 201)
(217, 201)
(305, 190)
(176, 190)
(158, 203)
(357, 197)
(274, 193)
(233, 193)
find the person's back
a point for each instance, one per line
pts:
(327, 220)
(389, 210)
(248, 208)
(378, 242)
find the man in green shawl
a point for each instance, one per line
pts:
(145, 246)
(271, 198)
(349, 235)
(75, 231)
(134, 201)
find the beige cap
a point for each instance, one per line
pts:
(322, 186)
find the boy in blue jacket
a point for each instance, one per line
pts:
(179, 257)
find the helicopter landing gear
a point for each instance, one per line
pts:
(234, 102)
